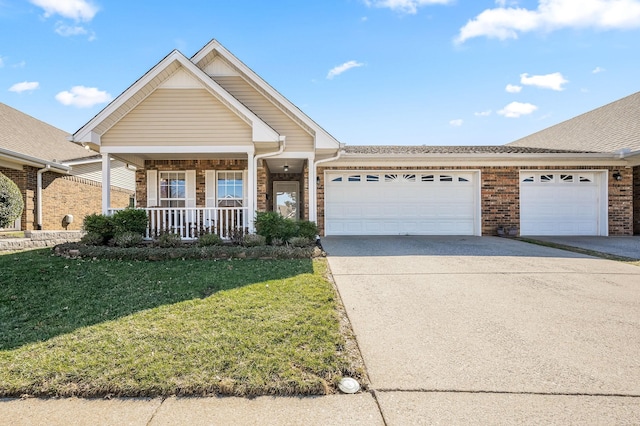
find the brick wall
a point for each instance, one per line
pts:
(200, 166)
(500, 193)
(61, 195)
(636, 200)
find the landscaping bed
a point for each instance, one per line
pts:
(95, 327)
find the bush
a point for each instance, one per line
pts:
(92, 239)
(254, 240)
(11, 203)
(307, 229)
(127, 239)
(272, 225)
(301, 242)
(130, 220)
(169, 239)
(101, 225)
(207, 240)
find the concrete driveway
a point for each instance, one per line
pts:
(490, 330)
(618, 246)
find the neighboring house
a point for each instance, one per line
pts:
(213, 143)
(59, 180)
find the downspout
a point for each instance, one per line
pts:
(254, 178)
(315, 172)
(39, 195)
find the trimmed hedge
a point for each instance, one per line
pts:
(11, 202)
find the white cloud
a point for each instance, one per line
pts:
(336, 71)
(404, 6)
(25, 86)
(552, 81)
(517, 109)
(512, 88)
(83, 97)
(483, 113)
(598, 70)
(20, 64)
(67, 31)
(456, 123)
(508, 22)
(79, 10)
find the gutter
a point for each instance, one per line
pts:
(33, 161)
(326, 160)
(282, 140)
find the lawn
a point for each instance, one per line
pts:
(122, 328)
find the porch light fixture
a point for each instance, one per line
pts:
(317, 180)
(286, 168)
(617, 176)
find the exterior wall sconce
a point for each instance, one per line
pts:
(286, 168)
(617, 176)
(318, 181)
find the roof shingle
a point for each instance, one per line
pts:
(427, 149)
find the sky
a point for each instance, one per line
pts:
(370, 72)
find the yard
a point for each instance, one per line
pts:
(136, 328)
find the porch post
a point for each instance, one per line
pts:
(313, 202)
(106, 183)
(251, 189)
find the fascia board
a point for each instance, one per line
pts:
(261, 131)
(322, 136)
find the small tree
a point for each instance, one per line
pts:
(11, 203)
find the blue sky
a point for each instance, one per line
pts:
(392, 72)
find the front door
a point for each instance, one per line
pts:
(285, 200)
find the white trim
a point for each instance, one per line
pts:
(178, 149)
(106, 183)
(153, 200)
(477, 198)
(292, 183)
(210, 188)
(262, 132)
(190, 188)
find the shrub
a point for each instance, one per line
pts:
(169, 239)
(127, 239)
(301, 242)
(272, 225)
(307, 229)
(207, 240)
(254, 240)
(11, 203)
(130, 220)
(101, 225)
(92, 239)
(277, 242)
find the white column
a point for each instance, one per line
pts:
(313, 201)
(106, 183)
(252, 178)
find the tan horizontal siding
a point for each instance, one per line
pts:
(121, 176)
(297, 138)
(179, 117)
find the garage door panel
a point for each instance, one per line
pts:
(560, 203)
(392, 203)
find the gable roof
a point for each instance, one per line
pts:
(323, 138)
(144, 86)
(27, 136)
(610, 128)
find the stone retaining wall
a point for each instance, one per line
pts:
(39, 239)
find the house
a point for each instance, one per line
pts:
(212, 143)
(59, 180)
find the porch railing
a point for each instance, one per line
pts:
(191, 222)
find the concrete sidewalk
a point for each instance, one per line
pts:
(617, 246)
(360, 409)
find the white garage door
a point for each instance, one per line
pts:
(562, 203)
(399, 203)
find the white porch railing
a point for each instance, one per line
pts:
(191, 222)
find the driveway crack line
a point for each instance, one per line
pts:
(153, 415)
(609, 395)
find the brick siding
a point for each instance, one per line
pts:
(636, 200)
(61, 195)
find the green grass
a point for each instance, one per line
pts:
(98, 327)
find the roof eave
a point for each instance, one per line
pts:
(28, 160)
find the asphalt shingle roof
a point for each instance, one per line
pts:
(26, 135)
(610, 128)
(427, 149)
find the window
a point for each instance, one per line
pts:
(427, 178)
(409, 178)
(566, 178)
(546, 178)
(172, 189)
(338, 179)
(354, 178)
(373, 178)
(230, 189)
(446, 178)
(528, 179)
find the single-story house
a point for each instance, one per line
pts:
(60, 181)
(212, 143)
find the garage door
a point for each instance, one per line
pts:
(401, 203)
(562, 203)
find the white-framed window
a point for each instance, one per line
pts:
(229, 189)
(172, 189)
